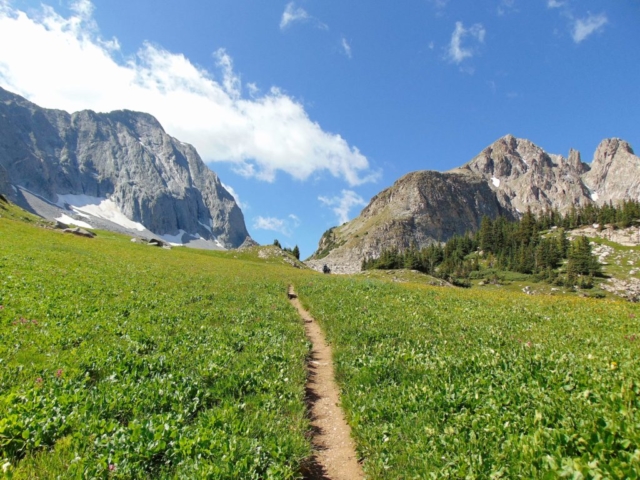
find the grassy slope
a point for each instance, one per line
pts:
(453, 383)
(184, 363)
(137, 362)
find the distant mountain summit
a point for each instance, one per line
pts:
(117, 171)
(524, 176)
(615, 172)
(507, 178)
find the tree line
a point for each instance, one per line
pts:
(534, 244)
(295, 251)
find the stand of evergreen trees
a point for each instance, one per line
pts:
(295, 251)
(517, 246)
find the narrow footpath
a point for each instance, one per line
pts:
(335, 455)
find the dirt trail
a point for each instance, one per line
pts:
(335, 455)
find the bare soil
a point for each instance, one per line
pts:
(334, 450)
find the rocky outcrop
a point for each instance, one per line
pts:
(615, 172)
(507, 178)
(123, 158)
(523, 176)
(421, 208)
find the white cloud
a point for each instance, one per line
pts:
(60, 62)
(275, 224)
(292, 14)
(295, 220)
(583, 27)
(346, 47)
(457, 52)
(440, 4)
(343, 203)
(506, 6)
(555, 3)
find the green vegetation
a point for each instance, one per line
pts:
(126, 361)
(120, 360)
(328, 242)
(295, 251)
(451, 383)
(535, 245)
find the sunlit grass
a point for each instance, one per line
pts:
(470, 383)
(130, 361)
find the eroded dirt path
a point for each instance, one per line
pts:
(335, 455)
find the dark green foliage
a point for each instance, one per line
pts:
(276, 242)
(516, 246)
(580, 259)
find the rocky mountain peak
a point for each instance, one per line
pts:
(508, 177)
(575, 162)
(609, 148)
(117, 170)
(615, 172)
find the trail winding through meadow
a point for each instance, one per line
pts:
(334, 450)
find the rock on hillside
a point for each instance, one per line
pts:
(117, 169)
(615, 172)
(507, 178)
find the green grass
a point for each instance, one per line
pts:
(622, 260)
(470, 383)
(119, 360)
(127, 361)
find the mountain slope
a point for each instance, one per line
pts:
(615, 172)
(507, 178)
(117, 170)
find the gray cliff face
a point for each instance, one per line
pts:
(615, 172)
(523, 176)
(507, 178)
(421, 208)
(126, 156)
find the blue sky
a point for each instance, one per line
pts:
(307, 109)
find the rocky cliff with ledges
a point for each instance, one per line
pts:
(117, 170)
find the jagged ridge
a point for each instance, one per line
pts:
(506, 178)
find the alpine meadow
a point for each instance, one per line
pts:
(319, 240)
(122, 360)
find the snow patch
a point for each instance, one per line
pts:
(208, 227)
(175, 240)
(594, 196)
(72, 221)
(495, 181)
(98, 207)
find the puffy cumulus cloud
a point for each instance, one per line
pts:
(280, 225)
(343, 203)
(456, 52)
(60, 62)
(583, 27)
